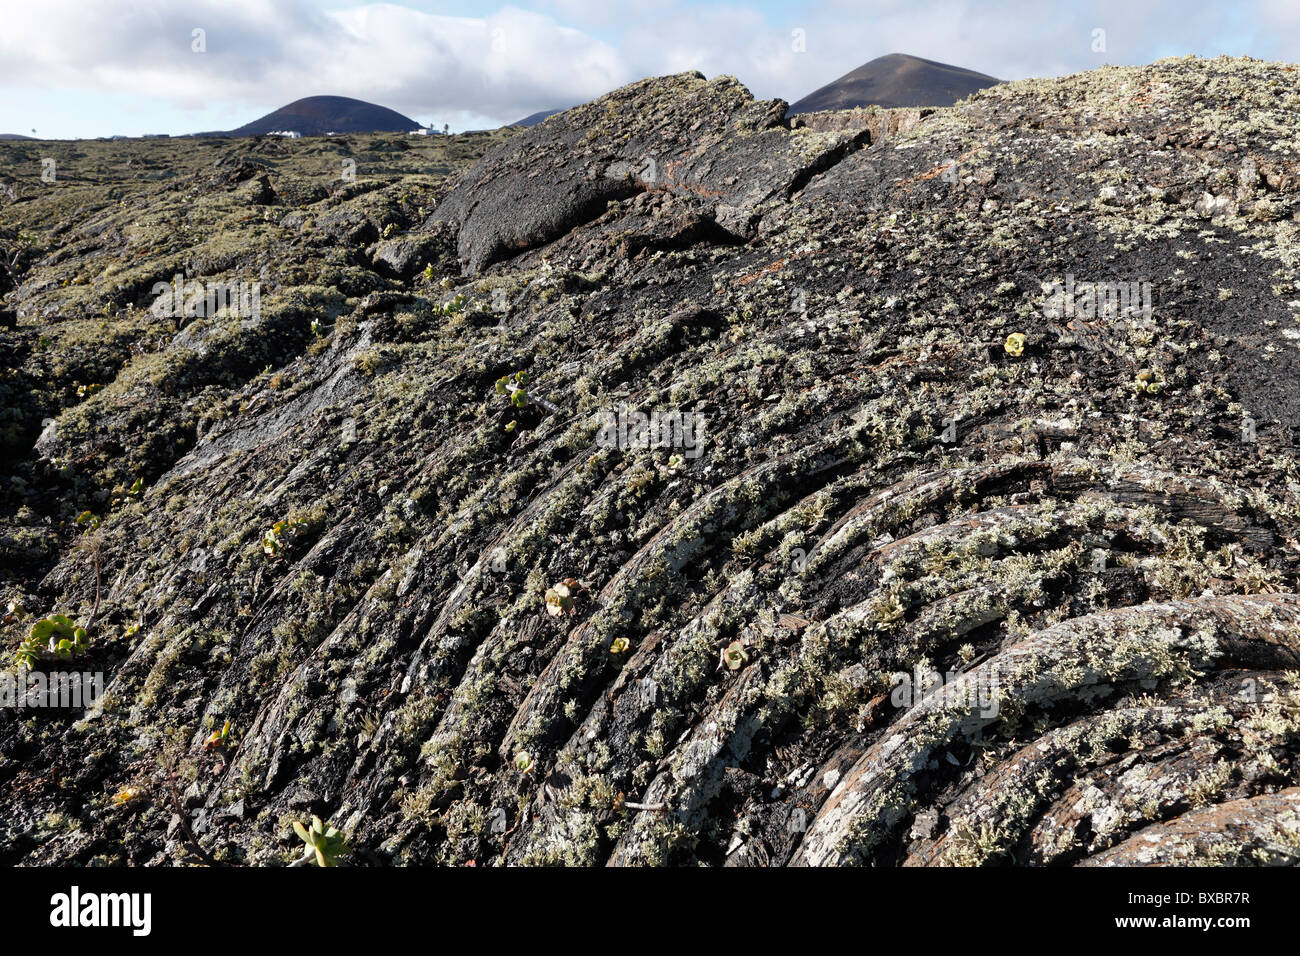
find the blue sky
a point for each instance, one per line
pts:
(79, 68)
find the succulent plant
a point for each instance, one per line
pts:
(29, 654)
(1149, 381)
(453, 306)
(1015, 344)
(559, 599)
(513, 386)
(58, 635)
(324, 843)
(218, 738)
(281, 533)
(734, 656)
(889, 608)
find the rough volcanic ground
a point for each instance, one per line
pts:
(882, 486)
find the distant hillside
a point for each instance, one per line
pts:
(535, 118)
(15, 136)
(895, 80)
(318, 115)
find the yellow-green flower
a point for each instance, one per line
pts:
(1015, 344)
(620, 645)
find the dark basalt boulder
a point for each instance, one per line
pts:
(403, 257)
(705, 141)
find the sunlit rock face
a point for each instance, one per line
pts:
(669, 483)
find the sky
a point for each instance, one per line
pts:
(84, 68)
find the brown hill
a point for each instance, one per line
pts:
(318, 115)
(895, 80)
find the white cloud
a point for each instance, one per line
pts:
(270, 53)
(497, 67)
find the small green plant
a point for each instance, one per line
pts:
(88, 520)
(524, 762)
(218, 738)
(428, 272)
(1015, 344)
(57, 635)
(734, 656)
(453, 306)
(559, 599)
(889, 608)
(513, 386)
(29, 654)
(1149, 381)
(324, 843)
(281, 533)
(14, 611)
